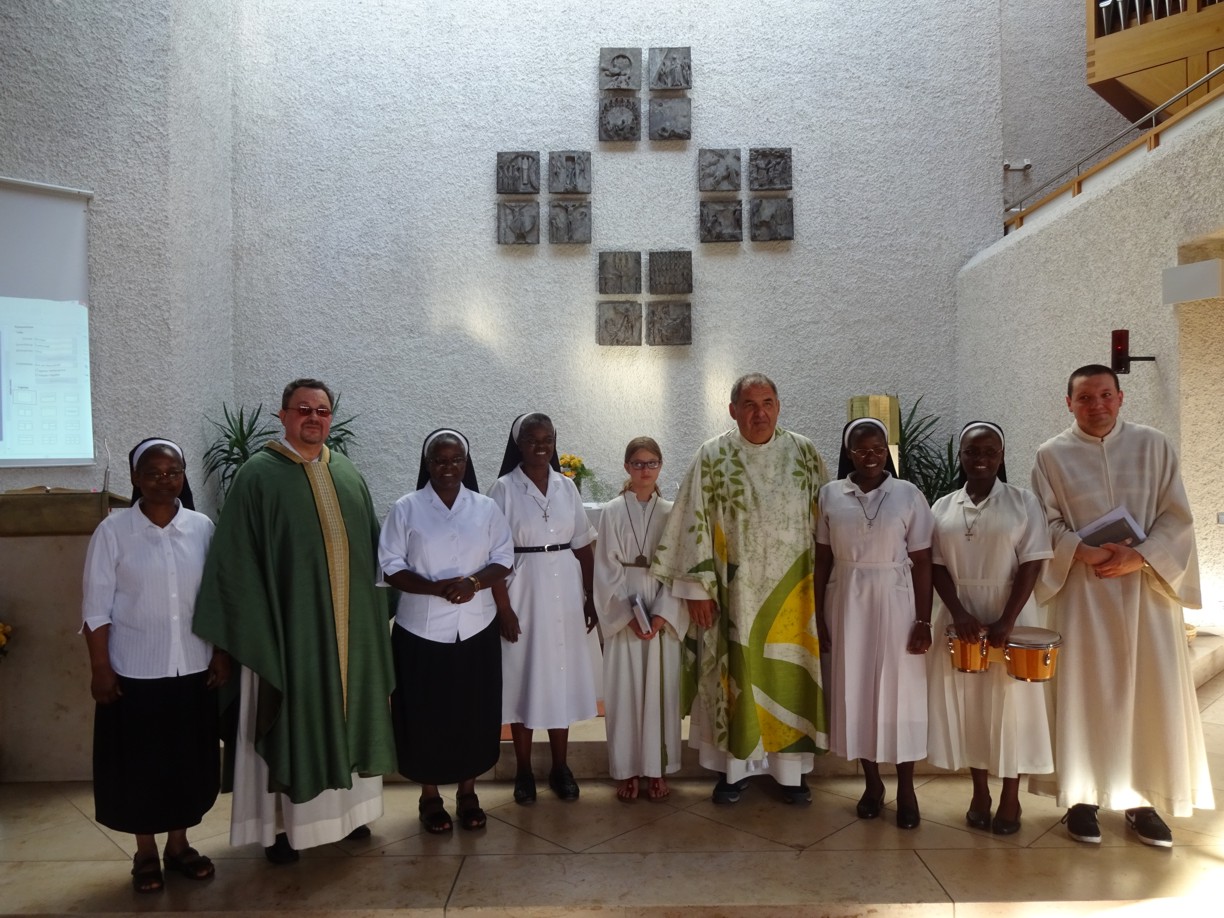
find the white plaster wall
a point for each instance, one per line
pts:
(365, 143)
(1050, 115)
(132, 100)
(1043, 300)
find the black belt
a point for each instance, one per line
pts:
(529, 549)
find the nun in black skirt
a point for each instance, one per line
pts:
(156, 755)
(443, 545)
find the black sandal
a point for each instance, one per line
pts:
(147, 874)
(190, 863)
(471, 816)
(434, 816)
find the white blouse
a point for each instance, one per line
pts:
(142, 580)
(422, 535)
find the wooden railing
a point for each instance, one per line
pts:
(1014, 219)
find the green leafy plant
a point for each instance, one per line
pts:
(239, 437)
(925, 462)
(243, 433)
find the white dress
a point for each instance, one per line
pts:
(547, 677)
(877, 691)
(641, 678)
(987, 720)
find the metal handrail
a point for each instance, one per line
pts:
(1079, 164)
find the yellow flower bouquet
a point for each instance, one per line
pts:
(573, 468)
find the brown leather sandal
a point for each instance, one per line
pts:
(471, 816)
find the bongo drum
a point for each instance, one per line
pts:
(1032, 654)
(967, 657)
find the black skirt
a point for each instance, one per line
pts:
(156, 755)
(446, 707)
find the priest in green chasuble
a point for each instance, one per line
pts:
(289, 591)
(738, 547)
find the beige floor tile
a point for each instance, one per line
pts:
(763, 814)
(870, 835)
(577, 825)
(1214, 712)
(27, 808)
(496, 838)
(748, 883)
(1211, 690)
(1215, 763)
(66, 842)
(1025, 881)
(1213, 737)
(684, 831)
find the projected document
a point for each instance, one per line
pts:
(45, 411)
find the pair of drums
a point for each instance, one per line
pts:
(1031, 654)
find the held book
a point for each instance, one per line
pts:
(640, 613)
(1116, 526)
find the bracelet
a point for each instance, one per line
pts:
(475, 584)
(919, 621)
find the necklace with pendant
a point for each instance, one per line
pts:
(641, 560)
(543, 506)
(968, 528)
(871, 519)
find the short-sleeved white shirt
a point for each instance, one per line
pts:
(142, 579)
(422, 535)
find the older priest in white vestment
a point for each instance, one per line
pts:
(738, 547)
(1127, 729)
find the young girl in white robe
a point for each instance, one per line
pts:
(641, 665)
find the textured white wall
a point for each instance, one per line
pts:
(1050, 116)
(132, 100)
(365, 142)
(1042, 301)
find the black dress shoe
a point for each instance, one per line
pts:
(281, 852)
(869, 807)
(977, 820)
(361, 833)
(562, 782)
(908, 817)
(524, 788)
(1006, 826)
(726, 793)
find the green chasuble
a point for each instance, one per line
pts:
(289, 591)
(743, 528)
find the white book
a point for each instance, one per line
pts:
(1116, 526)
(640, 612)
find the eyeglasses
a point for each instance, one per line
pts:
(876, 451)
(453, 463)
(306, 411)
(973, 452)
(167, 475)
(648, 464)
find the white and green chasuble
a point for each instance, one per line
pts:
(742, 534)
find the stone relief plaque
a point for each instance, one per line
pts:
(569, 222)
(721, 221)
(620, 118)
(619, 323)
(769, 168)
(718, 170)
(620, 272)
(670, 68)
(669, 323)
(671, 272)
(518, 172)
(671, 118)
(620, 68)
(772, 219)
(569, 172)
(518, 223)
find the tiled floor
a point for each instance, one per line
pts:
(682, 857)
